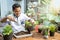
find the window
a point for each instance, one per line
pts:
(0, 9)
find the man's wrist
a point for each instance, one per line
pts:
(6, 17)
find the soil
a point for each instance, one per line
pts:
(21, 33)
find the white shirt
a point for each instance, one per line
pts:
(17, 27)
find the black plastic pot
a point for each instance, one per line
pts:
(29, 29)
(39, 30)
(52, 33)
(8, 37)
(58, 28)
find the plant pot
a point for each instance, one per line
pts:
(39, 30)
(45, 36)
(8, 37)
(52, 33)
(29, 29)
(58, 28)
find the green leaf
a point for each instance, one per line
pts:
(7, 30)
(52, 28)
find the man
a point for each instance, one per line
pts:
(17, 19)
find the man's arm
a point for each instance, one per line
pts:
(8, 17)
(3, 19)
(29, 19)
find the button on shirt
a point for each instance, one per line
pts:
(19, 24)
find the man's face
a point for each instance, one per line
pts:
(17, 11)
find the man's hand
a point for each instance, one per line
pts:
(11, 18)
(32, 21)
(3, 19)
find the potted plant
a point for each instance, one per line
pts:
(58, 23)
(52, 30)
(7, 32)
(46, 33)
(39, 30)
(36, 24)
(58, 28)
(28, 26)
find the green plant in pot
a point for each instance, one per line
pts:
(7, 32)
(45, 31)
(28, 26)
(40, 30)
(52, 30)
(38, 22)
(58, 23)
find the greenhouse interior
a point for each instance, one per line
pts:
(29, 19)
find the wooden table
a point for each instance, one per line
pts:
(38, 36)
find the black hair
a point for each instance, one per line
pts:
(16, 5)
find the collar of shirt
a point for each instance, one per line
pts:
(16, 16)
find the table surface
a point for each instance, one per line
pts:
(38, 36)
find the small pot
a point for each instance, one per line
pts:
(29, 29)
(8, 37)
(58, 28)
(46, 36)
(39, 30)
(52, 33)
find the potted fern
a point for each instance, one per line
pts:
(52, 30)
(7, 32)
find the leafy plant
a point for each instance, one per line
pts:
(52, 28)
(7, 30)
(28, 24)
(36, 22)
(46, 33)
(45, 2)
